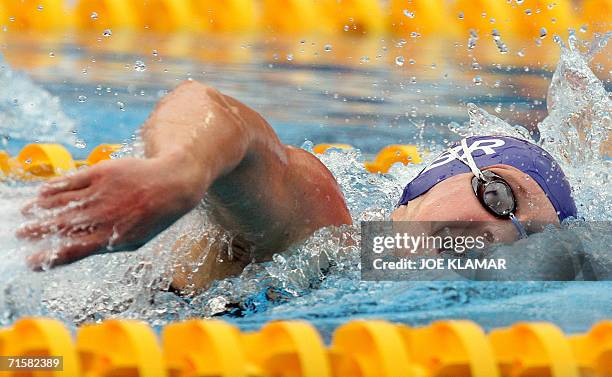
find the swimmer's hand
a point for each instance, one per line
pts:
(115, 205)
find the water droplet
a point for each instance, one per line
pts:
(289, 57)
(39, 7)
(52, 54)
(414, 34)
(411, 61)
(477, 80)
(364, 59)
(461, 15)
(80, 143)
(327, 48)
(93, 16)
(399, 60)
(140, 66)
(408, 14)
(472, 39)
(501, 46)
(584, 28)
(519, 2)
(347, 28)
(82, 98)
(521, 52)
(107, 33)
(121, 105)
(528, 12)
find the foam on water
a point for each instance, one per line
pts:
(319, 279)
(27, 110)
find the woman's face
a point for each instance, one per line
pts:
(453, 200)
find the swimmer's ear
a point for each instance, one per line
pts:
(77, 181)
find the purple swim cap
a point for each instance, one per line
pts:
(491, 150)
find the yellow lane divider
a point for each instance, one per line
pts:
(514, 19)
(119, 348)
(533, 349)
(42, 338)
(106, 14)
(42, 161)
(371, 348)
(226, 15)
(35, 14)
(593, 351)
(386, 157)
(392, 154)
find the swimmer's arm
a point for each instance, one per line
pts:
(259, 187)
(197, 141)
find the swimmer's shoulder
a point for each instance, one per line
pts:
(318, 185)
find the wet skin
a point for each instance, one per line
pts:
(199, 142)
(453, 200)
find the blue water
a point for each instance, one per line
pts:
(369, 105)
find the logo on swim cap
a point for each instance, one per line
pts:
(492, 150)
(488, 146)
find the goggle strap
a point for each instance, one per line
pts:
(519, 227)
(470, 160)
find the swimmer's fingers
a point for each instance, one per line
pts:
(77, 181)
(66, 225)
(70, 251)
(38, 229)
(71, 199)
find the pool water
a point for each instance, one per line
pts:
(366, 94)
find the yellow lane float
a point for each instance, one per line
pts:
(291, 17)
(596, 14)
(513, 19)
(392, 154)
(426, 17)
(120, 348)
(41, 338)
(226, 15)
(204, 348)
(287, 348)
(451, 348)
(35, 14)
(41, 161)
(533, 349)
(166, 15)
(354, 16)
(322, 148)
(371, 348)
(593, 350)
(106, 14)
(100, 153)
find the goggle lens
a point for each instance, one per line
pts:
(499, 198)
(495, 194)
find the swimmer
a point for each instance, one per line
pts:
(200, 142)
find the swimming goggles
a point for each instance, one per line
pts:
(493, 192)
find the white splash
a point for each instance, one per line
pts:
(28, 111)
